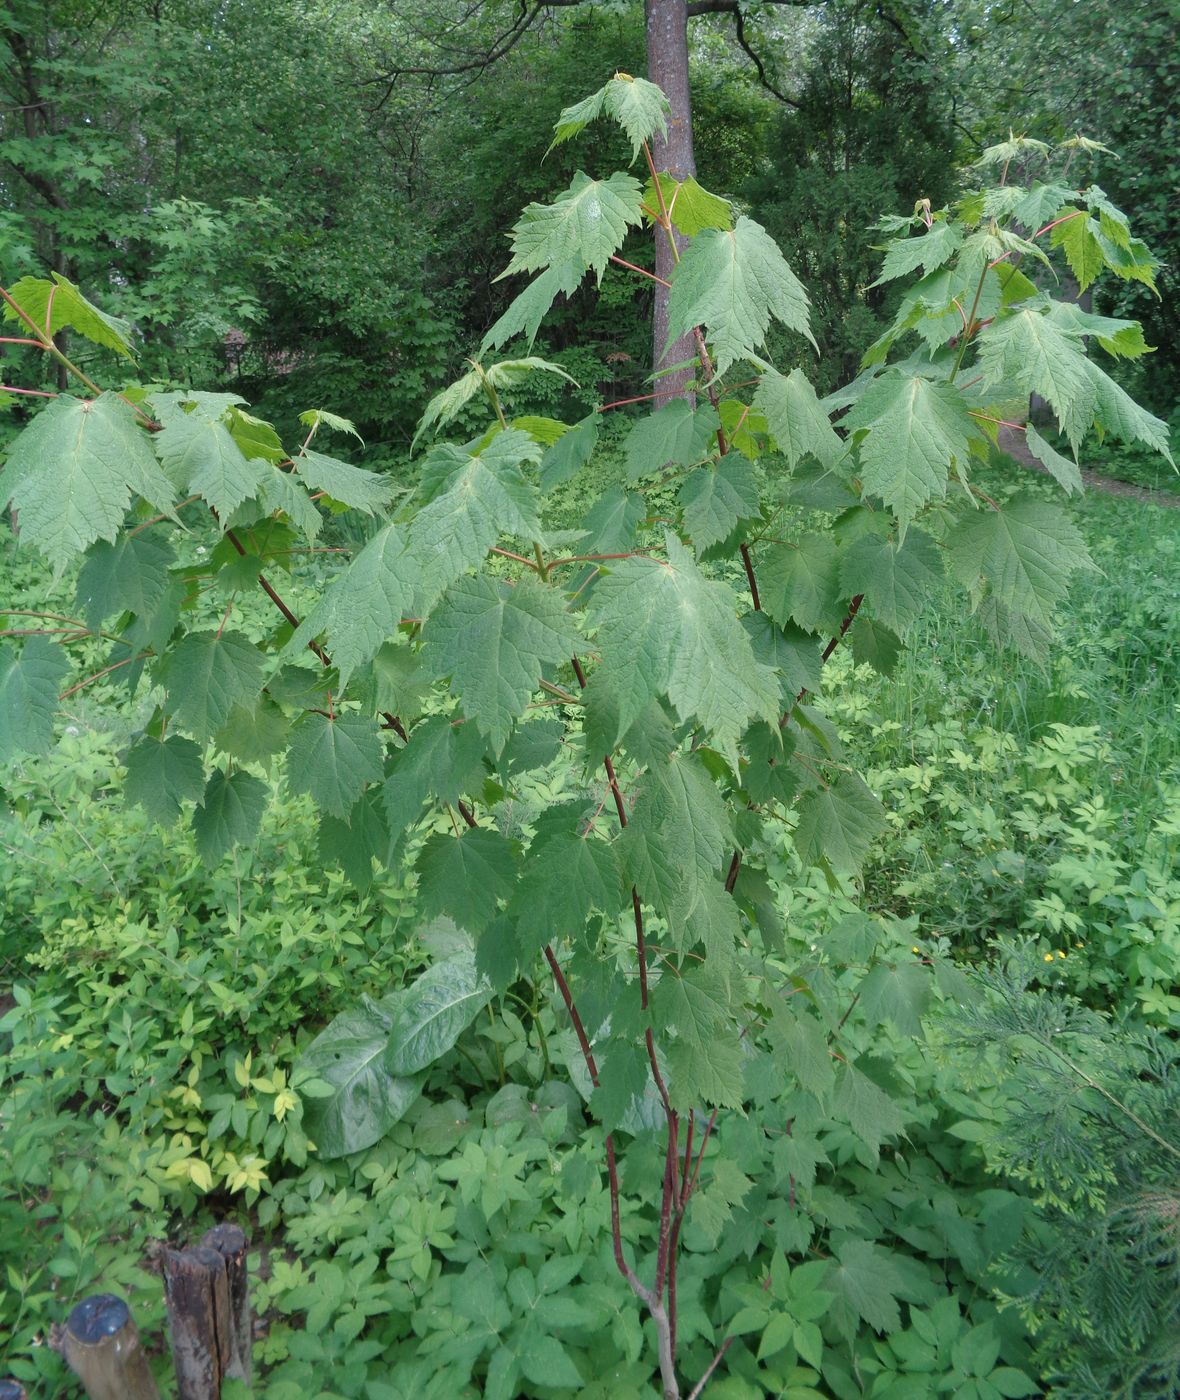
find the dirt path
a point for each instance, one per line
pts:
(1013, 443)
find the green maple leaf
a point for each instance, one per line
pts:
(867, 1109)
(570, 453)
(1026, 551)
(356, 841)
(675, 842)
(875, 645)
(29, 683)
(567, 875)
(352, 486)
(704, 1054)
(70, 311)
(838, 824)
(493, 639)
(796, 419)
(466, 876)
(230, 813)
(715, 498)
(663, 628)
(72, 474)
(917, 430)
(529, 308)
(690, 206)
(1117, 413)
(202, 458)
(804, 1047)
(282, 492)
(161, 774)
(1030, 353)
(130, 575)
(1122, 339)
(731, 283)
(254, 733)
(363, 606)
(584, 226)
(639, 107)
(897, 992)
(866, 1283)
(788, 650)
(479, 496)
(612, 522)
(933, 248)
(206, 674)
(897, 579)
(1041, 204)
(1078, 237)
(800, 583)
(448, 403)
(1064, 470)
(676, 435)
(442, 759)
(334, 760)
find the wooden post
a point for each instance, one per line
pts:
(231, 1243)
(196, 1291)
(101, 1344)
(12, 1390)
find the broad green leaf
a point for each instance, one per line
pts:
(72, 474)
(1123, 339)
(676, 435)
(797, 420)
(577, 117)
(897, 992)
(866, 1108)
(896, 580)
(917, 431)
(442, 760)
(351, 486)
(254, 436)
(29, 684)
(315, 418)
(567, 875)
(935, 247)
(363, 606)
(334, 760)
(229, 814)
(202, 458)
(1028, 353)
(800, 583)
(1026, 551)
(526, 311)
(612, 522)
(206, 675)
(282, 492)
(356, 841)
(838, 824)
(704, 1053)
(161, 774)
(584, 226)
(254, 733)
(1041, 204)
(678, 833)
(59, 305)
(691, 208)
(570, 453)
(639, 107)
(804, 1047)
(545, 1362)
(866, 1283)
(366, 1101)
(715, 498)
(731, 283)
(1077, 237)
(790, 651)
(493, 639)
(466, 876)
(1064, 470)
(130, 575)
(1117, 413)
(433, 1013)
(505, 374)
(481, 496)
(663, 628)
(873, 644)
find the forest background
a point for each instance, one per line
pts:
(307, 206)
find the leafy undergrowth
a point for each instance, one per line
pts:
(906, 1166)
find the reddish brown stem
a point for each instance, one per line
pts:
(643, 272)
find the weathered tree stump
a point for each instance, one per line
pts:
(12, 1390)
(196, 1291)
(100, 1343)
(231, 1243)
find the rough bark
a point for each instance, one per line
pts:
(101, 1345)
(667, 65)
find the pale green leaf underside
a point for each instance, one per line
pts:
(29, 684)
(584, 226)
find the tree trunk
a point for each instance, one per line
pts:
(667, 65)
